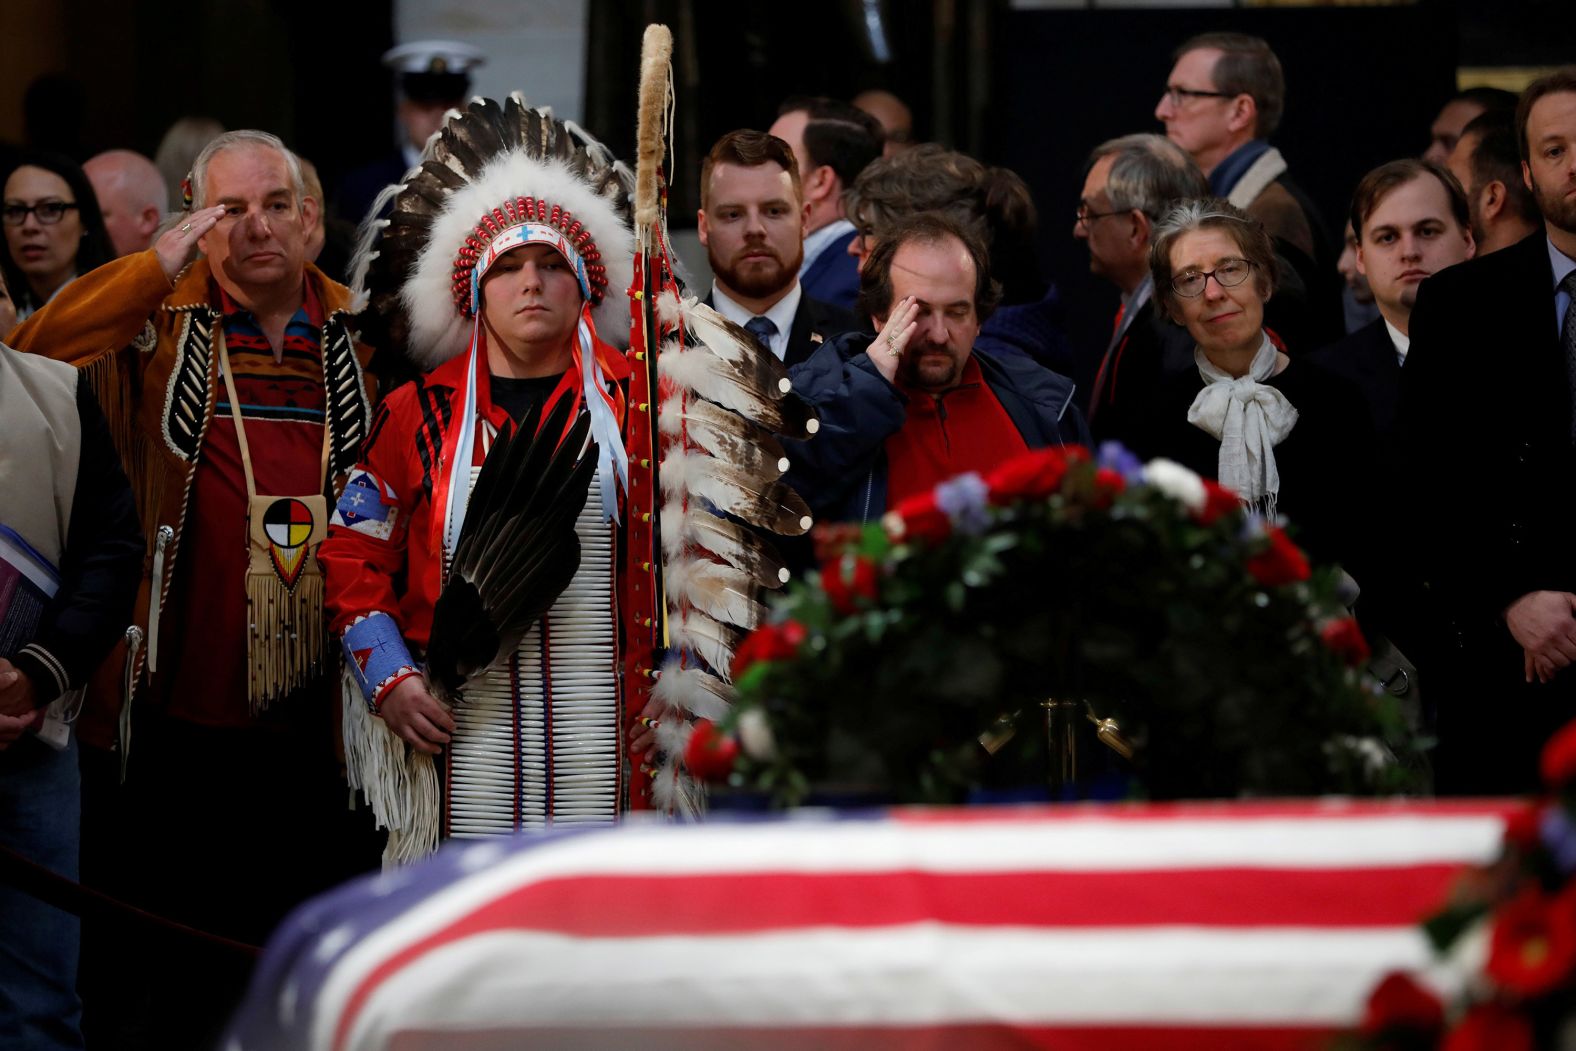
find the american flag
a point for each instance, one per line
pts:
(1186, 926)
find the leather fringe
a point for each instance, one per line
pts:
(110, 382)
(399, 783)
(287, 640)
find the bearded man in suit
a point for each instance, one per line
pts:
(1487, 409)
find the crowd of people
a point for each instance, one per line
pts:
(233, 496)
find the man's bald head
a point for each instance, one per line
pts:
(132, 195)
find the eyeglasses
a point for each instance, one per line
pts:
(1229, 273)
(49, 212)
(1180, 95)
(1085, 216)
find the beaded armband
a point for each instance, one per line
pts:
(376, 654)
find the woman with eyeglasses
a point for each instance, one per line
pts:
(53, 229)
(1288, 437)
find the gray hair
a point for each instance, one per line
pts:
(1211, 213)
(1150, 173)
(233, 140)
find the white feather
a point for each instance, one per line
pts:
(372, 226)
(718, 590)
(694, 368)
(672, 734)
(673, 791)
(696, 526)
(693, 692)
(687, 475)
(694, 631)
(723, 337)
(719, 432)
(670, 309)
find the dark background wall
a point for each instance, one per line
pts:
(307, 71)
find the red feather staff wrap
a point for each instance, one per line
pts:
(645, 610)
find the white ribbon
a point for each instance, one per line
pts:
(464, 450)
(1250, 418)
(611, 457)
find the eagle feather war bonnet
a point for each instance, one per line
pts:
(492, 169)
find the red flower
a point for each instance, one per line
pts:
(1523, 828)
(1107, 485)
(1282, 562)
(922, 520)
(1399, 1002)
(1490, 1027)
(1218, 502)
(1345, 640)
(769, 642)
(1033, 475)
(847, 580)
(1559, 757)
(710, 754)
(1534, 944)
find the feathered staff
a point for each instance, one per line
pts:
(705, 476)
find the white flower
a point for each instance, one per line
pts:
(1177, 482)
(755, 735)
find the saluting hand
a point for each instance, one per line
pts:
(178, 245)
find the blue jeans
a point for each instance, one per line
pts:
(40, 819)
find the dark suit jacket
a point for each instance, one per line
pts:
(814, 323)
(361, 186)
(1150, 350)
(834, 276)
(1486, 420)
(1367, 359)
(1393, 602)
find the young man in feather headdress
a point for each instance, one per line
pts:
(516, 267)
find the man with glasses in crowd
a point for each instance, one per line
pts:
(1222, 102)
(1129, 185)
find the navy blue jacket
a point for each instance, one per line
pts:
(842, 471)
(834, 276)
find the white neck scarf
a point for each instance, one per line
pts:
(1250, 418)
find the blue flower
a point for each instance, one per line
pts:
(1559, 835)
(1116, 457)
(964, 500)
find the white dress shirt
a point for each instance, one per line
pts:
(1402, 341)
(781, 314)
(816, 243)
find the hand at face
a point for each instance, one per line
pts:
(178, 245)
(1544, 623)
(887, 350)
(416, 716)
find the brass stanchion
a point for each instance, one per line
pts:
(1061, 738)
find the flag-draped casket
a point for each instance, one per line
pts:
(1182, 926)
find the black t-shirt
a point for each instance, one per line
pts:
(519, 396)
